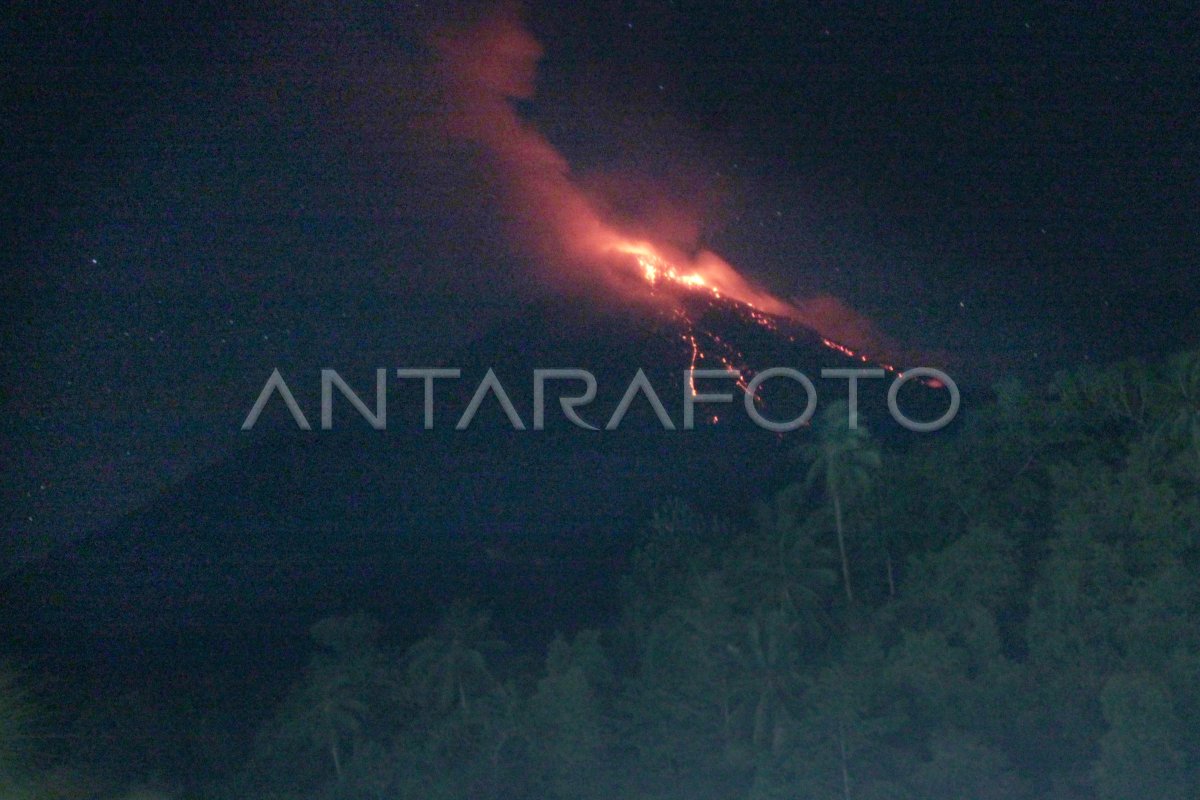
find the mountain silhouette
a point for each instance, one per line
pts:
(223, 574)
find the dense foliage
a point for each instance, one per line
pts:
(1010, 610)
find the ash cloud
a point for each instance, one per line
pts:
(484, 70)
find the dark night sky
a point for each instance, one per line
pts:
(194, 197)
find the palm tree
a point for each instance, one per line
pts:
(767, 676)
(334, 712)
(844, 460)
(784, 567)
(449, 667)
(345, 683)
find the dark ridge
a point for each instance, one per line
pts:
(222, 575)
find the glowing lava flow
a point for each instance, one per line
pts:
(658, 271)
(707, 272)
(656, 268)
(482, 71)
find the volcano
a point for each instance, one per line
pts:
(222, 575)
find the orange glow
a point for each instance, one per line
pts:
(706, 272)
(551, 219)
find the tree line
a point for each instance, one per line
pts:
(1008, 610)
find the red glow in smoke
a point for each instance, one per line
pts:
(483, 70)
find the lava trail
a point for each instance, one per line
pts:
(482, 71)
